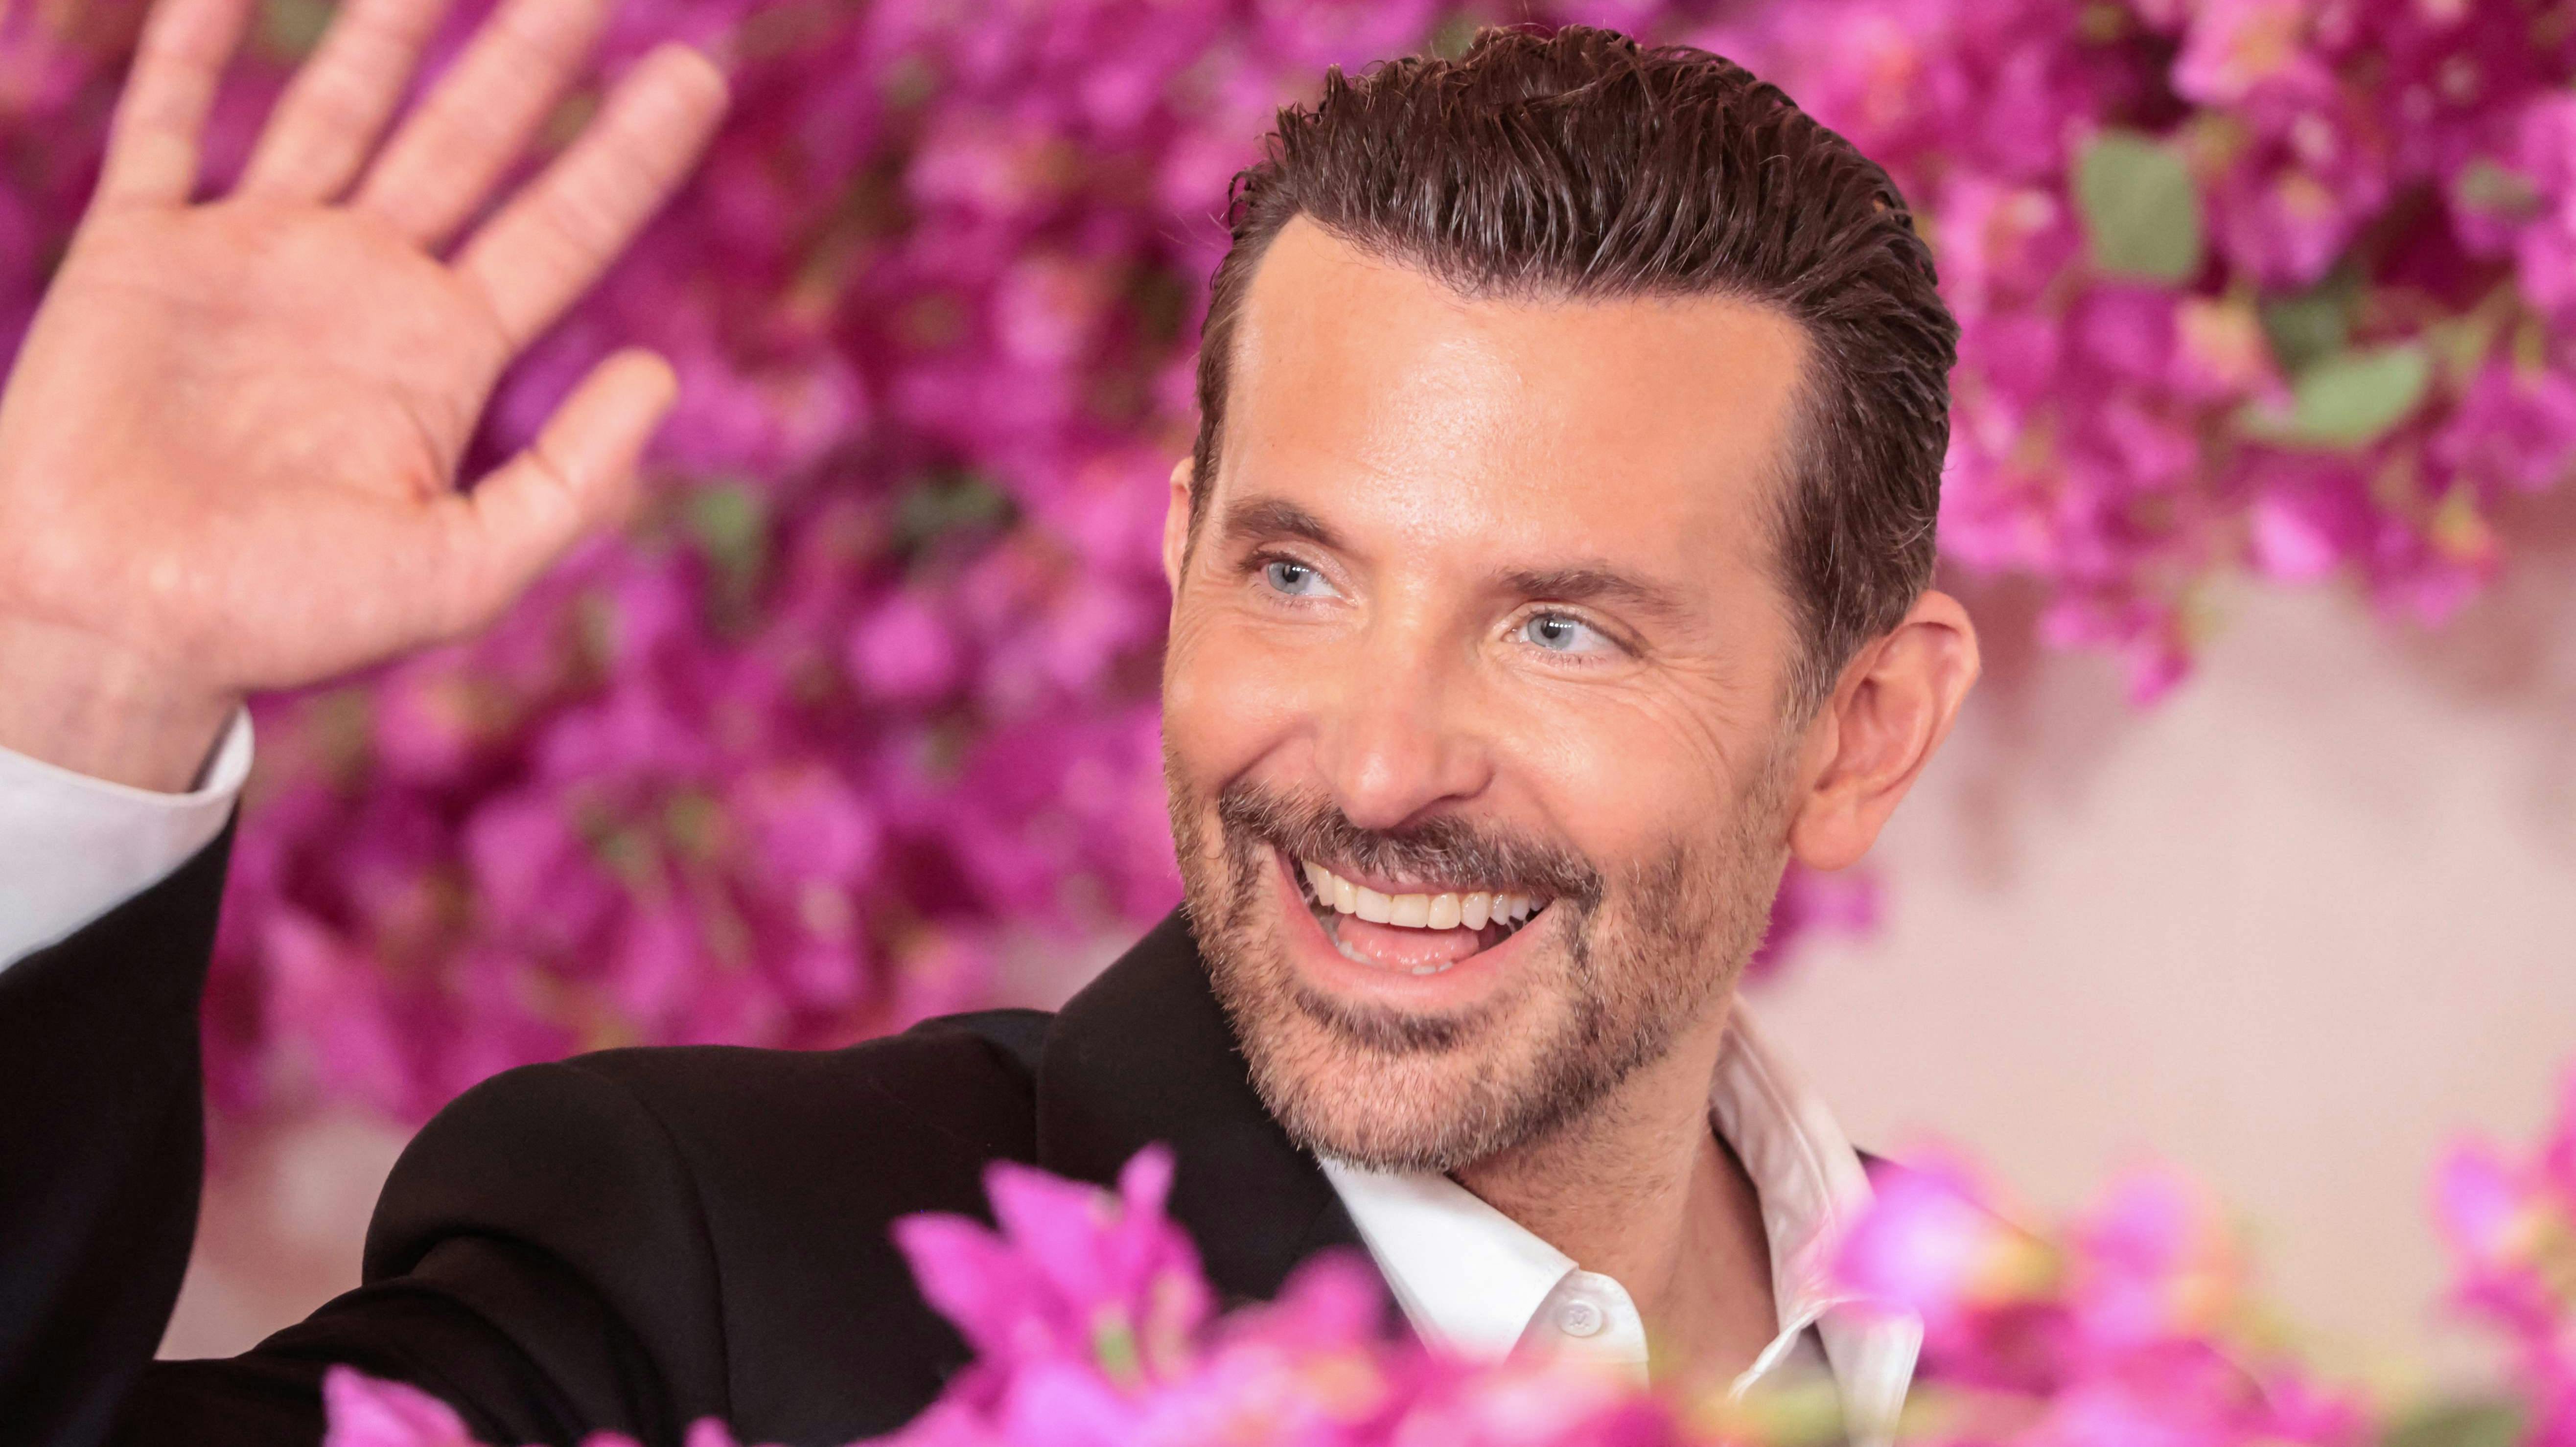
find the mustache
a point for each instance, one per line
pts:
(1307, 825)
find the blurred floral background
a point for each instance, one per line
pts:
(857, 724)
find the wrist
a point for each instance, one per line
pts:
(78, 702)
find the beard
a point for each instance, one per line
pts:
(1627, 958)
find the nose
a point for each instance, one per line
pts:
(1397, 735)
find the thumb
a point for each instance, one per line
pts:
(578, 476)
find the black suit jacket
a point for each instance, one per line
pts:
(628, 1240)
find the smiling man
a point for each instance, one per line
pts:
(1550, 571)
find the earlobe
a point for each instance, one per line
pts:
(1176, 525)
(1890, 714)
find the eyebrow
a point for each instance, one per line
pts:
(1595, 583)
(1261, 518)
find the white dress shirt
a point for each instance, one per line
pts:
(1467, 1276)
(73, 847)
(1478, 1283)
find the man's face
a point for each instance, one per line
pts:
(1473, 709)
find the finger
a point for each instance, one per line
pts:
(449, 154)
(152, 149)
(555, 237)
(338, 104)
(578, 476)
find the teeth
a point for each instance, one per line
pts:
(1416, 911)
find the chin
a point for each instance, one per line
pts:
(1421, 1111)
(1424, 999)
(1361, 1058)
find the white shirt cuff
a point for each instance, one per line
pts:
(73, 848)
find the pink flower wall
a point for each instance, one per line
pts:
(868, 693)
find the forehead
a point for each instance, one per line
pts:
(1645, 430)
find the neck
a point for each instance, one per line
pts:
(1640, 1190)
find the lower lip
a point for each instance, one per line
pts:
(1323, 963)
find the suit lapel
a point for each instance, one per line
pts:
(1145, 1054)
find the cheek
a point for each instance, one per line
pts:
(1625, 776)
(1230, 700)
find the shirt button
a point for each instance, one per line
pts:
(1579, 1318)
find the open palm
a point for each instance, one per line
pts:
(228, 451)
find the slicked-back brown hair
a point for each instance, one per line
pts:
(1579, 165)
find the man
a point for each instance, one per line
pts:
(1551, 568)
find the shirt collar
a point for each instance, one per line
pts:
(1472, 1279)
(1468, 1277)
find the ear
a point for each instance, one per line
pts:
(1870, 741)
(1176, 526)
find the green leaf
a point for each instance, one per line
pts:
(2459, 1424)
(2349, 400)
(1113, 1346)
(2313, 325)
(2141, 214)
(2485, 186)
(289, 29)
(1451, 37)
(947, 503)
(730, 523)
(695, 823)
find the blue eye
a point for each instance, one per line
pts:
(1295, 579)
(1559, 633)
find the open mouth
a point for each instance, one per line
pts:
(1421, 931)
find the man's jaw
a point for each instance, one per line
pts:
(1384, 935)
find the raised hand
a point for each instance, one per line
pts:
(228, 450)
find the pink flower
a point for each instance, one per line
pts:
(2514, 431)
(2236, 51)
(2545, 246)
(1074, 1275)
(366, 1412)
(2155, 1262)
(1930, 1245)
(1093, 1329)
(2123, 1331)
(2310, 518)
(2511, 1226)
(1845, 903)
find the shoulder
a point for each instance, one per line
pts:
(652, 1234)
(970, 1077)
(905, 1122)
